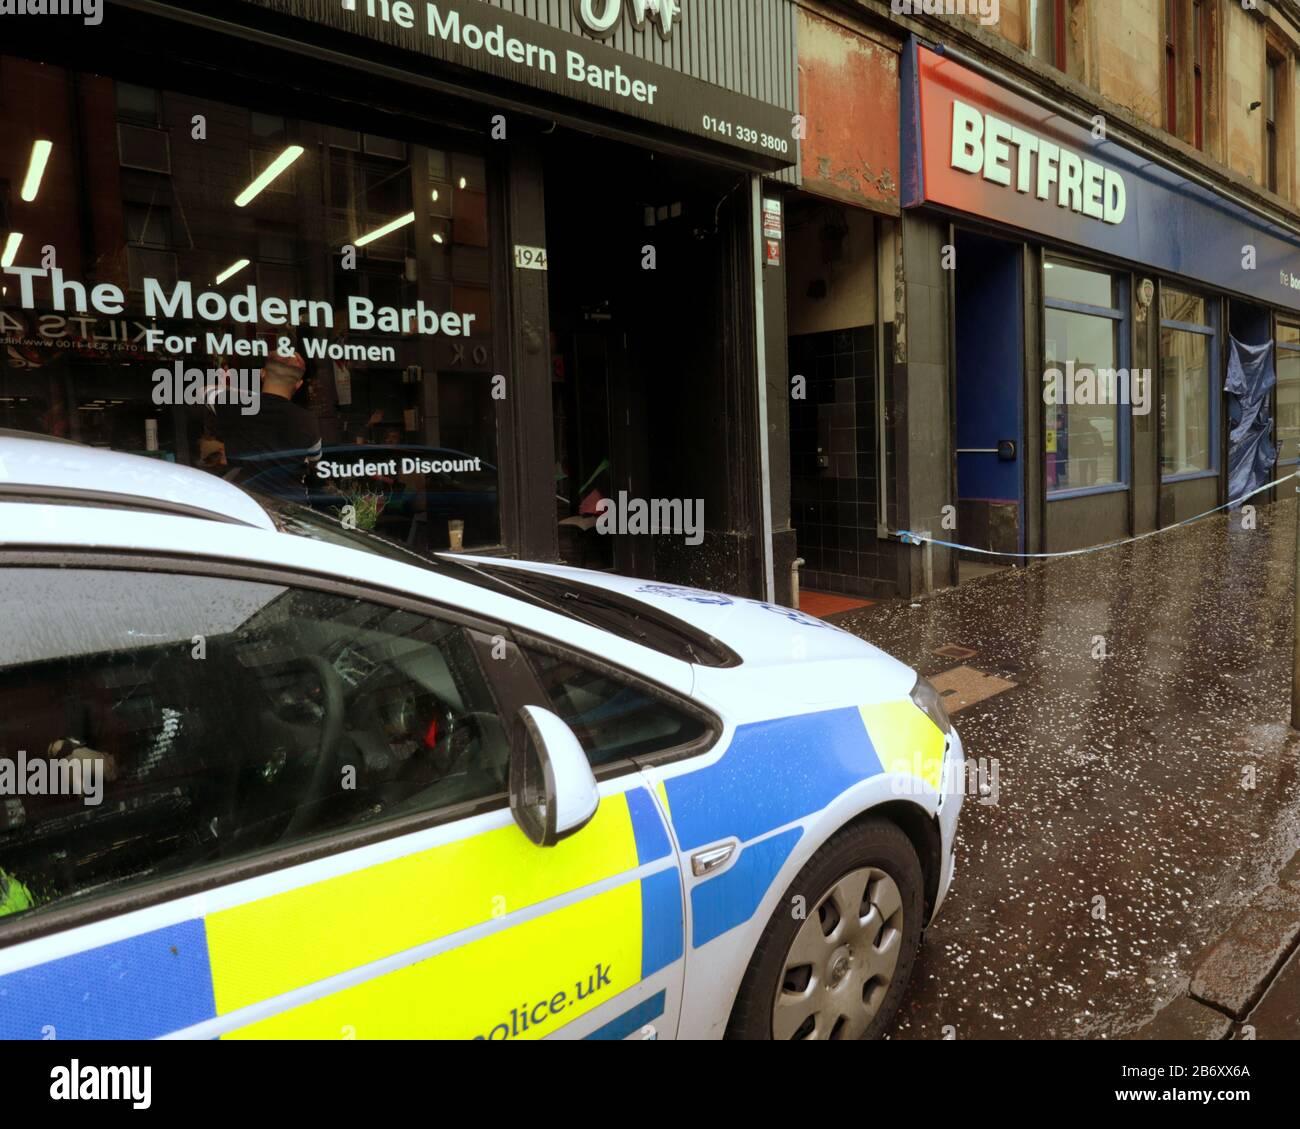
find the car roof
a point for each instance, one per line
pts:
(39, 469)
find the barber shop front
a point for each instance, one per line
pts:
(514, 260)
(1121, 332)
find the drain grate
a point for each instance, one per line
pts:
(952, 651)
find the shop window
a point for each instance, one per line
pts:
(1086, 386)
(1288, 394)
(1188, 391)
(386, 348)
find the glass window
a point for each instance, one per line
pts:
(1188, 392)
(1178, 305)
(1068, 283)
(231, 247)
(1045, 41)
(1083, 387)
(154, 724)
(1288, 393)
(1185, 403)
(139, 102)
(612, 719)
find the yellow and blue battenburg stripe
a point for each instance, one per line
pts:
(774, 775)
(314, 962)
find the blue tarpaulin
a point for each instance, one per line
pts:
(1251, 453)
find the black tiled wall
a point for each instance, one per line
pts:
(835, 509)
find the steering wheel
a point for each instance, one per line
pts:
(331, 734)
(459, 734)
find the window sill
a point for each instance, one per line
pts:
(1085, 492)
(1191, 476)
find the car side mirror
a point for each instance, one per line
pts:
(553, 792)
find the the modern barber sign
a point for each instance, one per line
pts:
(973, 146)
(575, 59)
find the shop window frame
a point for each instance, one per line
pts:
(1119, 315)
(1280, 348)
(1215, 393)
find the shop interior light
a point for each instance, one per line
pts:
(10, 253)
(464, 183)
(273, 170)
(41, 151)
(437, 238)
(231, 271)
(435, 195)
(387, 229)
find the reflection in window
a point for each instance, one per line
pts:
(613, 720)
(1288, 393)
(1047, 31)
(150, 204)
(190, 764)
(1186, 384)
(1084, 428)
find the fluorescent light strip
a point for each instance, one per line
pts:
(41, 151)
(387, 229)
(230, 272)
(11, 249)
(273, 170)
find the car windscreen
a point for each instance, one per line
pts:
(608, 611)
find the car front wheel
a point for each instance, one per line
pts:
(836, 957)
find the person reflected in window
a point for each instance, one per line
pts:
(282, 435)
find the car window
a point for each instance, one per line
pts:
(613, 719)
(151, 724)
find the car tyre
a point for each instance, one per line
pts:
(837, 955)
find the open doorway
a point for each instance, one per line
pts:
(647, 350)
(990, 402)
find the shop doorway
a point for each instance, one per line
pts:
(647, 348)
(990, 403)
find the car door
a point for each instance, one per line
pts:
(238, 805)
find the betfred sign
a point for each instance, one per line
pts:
(986, 150)
(974, 147)
(984, 145)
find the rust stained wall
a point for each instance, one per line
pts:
(848, 91)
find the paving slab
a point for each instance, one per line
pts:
(1277, 1015)
(1239, 964)
(1186, 1020)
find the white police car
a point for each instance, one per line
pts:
(264, 777)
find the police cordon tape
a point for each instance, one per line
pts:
(920, 539)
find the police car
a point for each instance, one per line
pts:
(265, 777)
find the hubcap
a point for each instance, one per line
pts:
(842, 961)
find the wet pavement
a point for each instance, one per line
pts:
(1162, 778)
